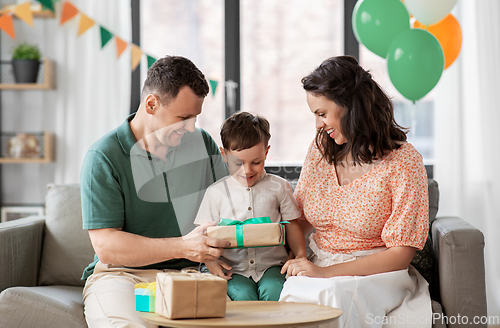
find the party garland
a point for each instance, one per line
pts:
(25, 11)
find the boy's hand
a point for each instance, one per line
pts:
(292, 256)
(217, 268)
(301, 256)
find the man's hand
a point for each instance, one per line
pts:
(217, 268)
(199, 248)
(114, 246)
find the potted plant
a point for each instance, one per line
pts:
(26, 62)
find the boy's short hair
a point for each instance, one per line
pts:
(244, 130)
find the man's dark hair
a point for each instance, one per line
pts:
(244, 130)
(169, 74)
(368, 121)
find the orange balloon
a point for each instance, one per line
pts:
(449, 35)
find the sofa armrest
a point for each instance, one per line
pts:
(459, 248)
(20, 249)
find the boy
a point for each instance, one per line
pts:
(252, 273)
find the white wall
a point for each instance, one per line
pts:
(92, 95)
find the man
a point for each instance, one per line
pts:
(141, 186)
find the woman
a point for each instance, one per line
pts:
(364, 189)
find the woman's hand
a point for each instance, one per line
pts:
(303, 267)
(392, 259)
(217, 268)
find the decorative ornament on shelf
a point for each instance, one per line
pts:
(24, 145)
(26, 62)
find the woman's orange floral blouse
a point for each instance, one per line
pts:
(387, 206)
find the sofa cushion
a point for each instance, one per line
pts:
(20, 249)
(433, 199)
(66, 247)
(425, 263)
(424, 260)
(42, 307)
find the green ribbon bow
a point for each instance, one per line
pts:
(239, 226)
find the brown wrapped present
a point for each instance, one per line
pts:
(190, 295)
(242, 234)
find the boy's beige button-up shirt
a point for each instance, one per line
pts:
(270, 196)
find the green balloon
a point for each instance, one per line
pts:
(415, 63)
(377, 22)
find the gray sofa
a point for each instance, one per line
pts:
(42, 259)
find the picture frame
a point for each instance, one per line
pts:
(9, 213)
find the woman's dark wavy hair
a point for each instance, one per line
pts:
(368, 121)
(169, 74)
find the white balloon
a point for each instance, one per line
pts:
(429, 12)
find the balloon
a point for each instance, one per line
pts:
(377, 22)
(415, 63)
(449, 35)
(429, 12)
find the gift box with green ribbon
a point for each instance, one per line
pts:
(253, 232)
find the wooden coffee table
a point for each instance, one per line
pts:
(256, 313)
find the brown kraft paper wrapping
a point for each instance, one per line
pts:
(254, 235)
(190, 295)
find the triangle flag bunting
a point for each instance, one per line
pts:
(120, 46)
(68, 11)
(105, 36)
(213, 86)
(151, 61)
(48, 4)
(136, 55)
(24, 13)
(7, 25)
(85, 24)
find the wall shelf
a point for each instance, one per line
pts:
(48, 153)
(10, 150)
(47, 83)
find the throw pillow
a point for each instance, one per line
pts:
(66, 247)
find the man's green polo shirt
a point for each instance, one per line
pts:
(123, 186)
